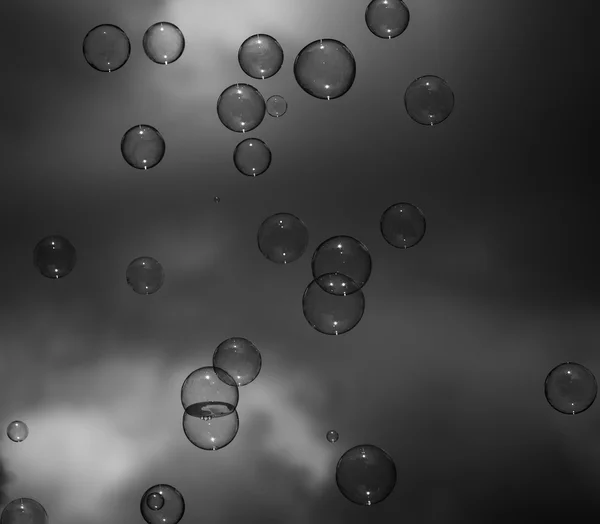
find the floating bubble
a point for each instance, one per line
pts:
(325, 69)
(241, 108)
(209, 393)
(54, 256)
(252, 157)
(155, 501)
(332, 313)
(216, 200)
(276, 106)
(163, 43)
(240, 358)
(145, 275)
(387, 18)
(143, 147)
(172, 510)
(429, 100)
(24, 511)
(570, 388)
(402, 225)
(106, 48)
(210, 434)
(365, 475)
(282, 238)
(345, 256)
(332, 436)
(260, 56)
(17, 431)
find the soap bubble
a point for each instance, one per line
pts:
(570, 388)
(252, 157)
(345, 256)
(155, 501)
(210, 434)
(240, 358)
(402, 225)
(216, 200)
(24, 511)
(276, 106)
(106, 48)
(54, 257)
(387, 18)
(325, 69)
(163, 43)
(365, 475)
(332, 436)
(143, 147)
(260, 56)
(209, 392)
(241, 108)
(332, 313)
(145, 275)
(172, 510)
(429, 100)
(17, 431)
(282, 238)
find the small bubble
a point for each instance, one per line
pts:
(282, 238)
(332, 436)
(260, 56)
(387, 18)
(54, 257)
(106, 48)
(252, 157)
(429, 100)
(570, 388)
(163, 43)
(143, 147)
(17, 431)
(241, 108)
(172, 509)
(145, 275)
(217, 199)
(276, 106)
(155, 501)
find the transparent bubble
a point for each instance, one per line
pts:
(570, 388)
(143, 147)
(217, 199)
(240, 358)
(402, 225)
(209, 393)
(276, 106)
(210, 434)
(332, 313)
(387, 18)
(252, 157)
(282, 238)
(24, 511)
(54, 257)
(155, 501)
(429, 100)
(365, 475)
(145, 275)
(163, 43)
(172, 510)
(332, 436)
(241, 108)
(17, 431)
(260, 56)
(106, 48)
(325, 69)
(345, 256)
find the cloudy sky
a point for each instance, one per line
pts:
(446, 369)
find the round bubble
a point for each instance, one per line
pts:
(276, 106)
(241, 108)
(325, 69)
(429, 100)
(155, 501)
(345, 256)
(402, 225)
(282, 238)
(240, 358)
(24, 511)
(54, 257)
(332, 313)
(163, 43)
(252, 157)
(145, 275)
(570, 388)
(210, 434)
(17, 431)
(260, 56)
(172, 510)
(387, 18)
(216, 200)
(332, 436)
(106, 48)
(209, 393)
(365, 475)
(143, 147)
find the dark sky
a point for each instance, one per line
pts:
(446, 369)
